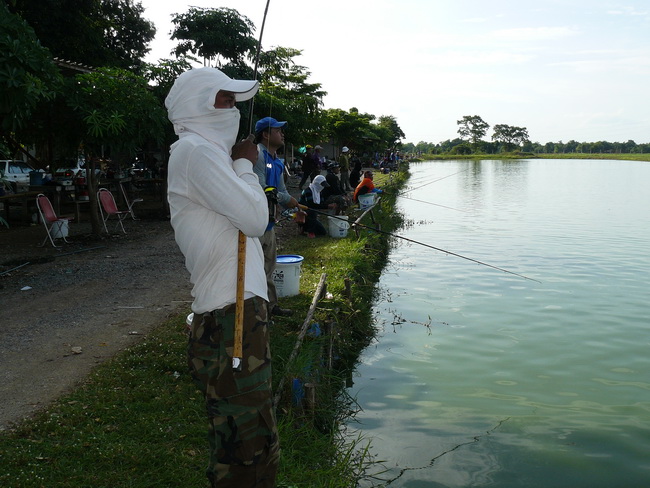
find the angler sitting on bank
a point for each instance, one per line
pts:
(334, 193)
(366, 186)
(311, 197)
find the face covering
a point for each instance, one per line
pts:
(219, 127)
(316, 187)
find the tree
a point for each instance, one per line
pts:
(119, 113)
(286, 94)
(347, 128)
(393, 129)
(28, 77)
(218, 35)
(472, 128)
(91, 32)
(510, 136)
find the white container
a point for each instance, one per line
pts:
(367, 200)
(338, 225)
(60, 229)
(286, 275)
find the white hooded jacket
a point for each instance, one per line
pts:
(211, 197)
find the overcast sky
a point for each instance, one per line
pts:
(564, 69)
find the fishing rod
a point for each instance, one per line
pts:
(429, 246)
(257, 60)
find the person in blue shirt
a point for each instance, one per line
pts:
(269, 168)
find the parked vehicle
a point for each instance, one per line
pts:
(67, 170)
(16, 173)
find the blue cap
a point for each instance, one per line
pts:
(268, 123)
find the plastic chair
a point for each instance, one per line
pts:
(130, 203)
(108, 208)
(56, 228)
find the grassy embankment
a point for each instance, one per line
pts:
(139, 422)
(520, 155)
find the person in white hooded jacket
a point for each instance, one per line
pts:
(213, 194)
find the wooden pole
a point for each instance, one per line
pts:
(237, 356)
(305, 325)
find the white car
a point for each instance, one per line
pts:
(16, 172)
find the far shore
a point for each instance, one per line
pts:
(619, 156)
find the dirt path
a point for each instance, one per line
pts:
(84, 303)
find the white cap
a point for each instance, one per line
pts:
(344, 149)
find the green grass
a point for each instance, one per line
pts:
(138, 420)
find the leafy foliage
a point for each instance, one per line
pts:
(472, 128)
(286, 94)
(509, 136)
(214, 33)
(117, 108)
(28, 76)
(91, 32)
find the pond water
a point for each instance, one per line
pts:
(482, 378)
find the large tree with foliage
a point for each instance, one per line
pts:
(472, 128)
(395, 133)
(509, 136)
(92, 32)
(286, 94)
(28, 77)
(220, 36)
(118, 114)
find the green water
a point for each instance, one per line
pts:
(481, 378)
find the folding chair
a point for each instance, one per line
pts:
(56, 228)
(130, 203)
(108, 207)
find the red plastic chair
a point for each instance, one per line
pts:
(56, 227)
(108, 208)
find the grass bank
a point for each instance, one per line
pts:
(139, 422)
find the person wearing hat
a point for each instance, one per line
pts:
(311, 197)
(309, 168)
(214, 194)
(269, 136)
(344, 164)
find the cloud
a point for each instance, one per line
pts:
(524, 34)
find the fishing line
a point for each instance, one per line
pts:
(429, 246)
(426, 184)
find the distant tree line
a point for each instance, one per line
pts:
(505, 138)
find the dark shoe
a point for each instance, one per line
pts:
(281, 312)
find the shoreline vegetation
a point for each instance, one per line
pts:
(138, 420)
(523, 155)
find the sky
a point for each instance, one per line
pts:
(563, 69)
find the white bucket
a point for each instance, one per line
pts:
(60, 229)
(286, 275)
(367, 200)
(338, 225)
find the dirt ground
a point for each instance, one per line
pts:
(71, 308)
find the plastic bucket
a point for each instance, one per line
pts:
(35, 178)
(60, 229)
(367, 200)
(286, 275)
(338, 225)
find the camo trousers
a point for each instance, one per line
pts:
(243, 437)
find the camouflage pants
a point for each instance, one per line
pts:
(243, 438)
